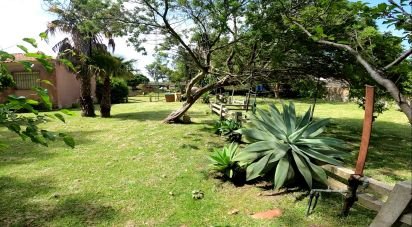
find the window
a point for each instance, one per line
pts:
(26, 80)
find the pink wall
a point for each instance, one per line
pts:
(68, 87)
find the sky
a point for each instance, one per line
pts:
(28, 18)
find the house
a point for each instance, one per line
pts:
(64, 92)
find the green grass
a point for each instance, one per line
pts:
(123, 169)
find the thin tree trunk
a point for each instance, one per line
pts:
(86, 101)
(105, 102)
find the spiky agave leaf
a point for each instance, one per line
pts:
(279, 138)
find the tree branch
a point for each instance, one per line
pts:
(403, 56)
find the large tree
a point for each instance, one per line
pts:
(350, 28)
(208, 31)
(83, 22)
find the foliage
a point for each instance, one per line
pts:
(119, 90)
(224, 160)
(137, 79)
(206, 98)
(226, 126)
(285, 146)
(6, 81)
(308, 88)
(83, 22)
(27, 126)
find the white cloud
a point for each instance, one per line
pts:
(28, 18)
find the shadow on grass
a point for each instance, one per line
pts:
(34, 203)
(389, 148)
(18, 151)
(144, 116)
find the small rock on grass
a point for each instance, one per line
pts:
(269, 214)
(233, 212)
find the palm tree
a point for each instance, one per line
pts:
(85, 34)
(109, 66)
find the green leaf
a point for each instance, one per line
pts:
(31, 41)
(68, 64)
(67, 112)
(292, 116)
(316, 155)
(315, 126)
(60, 117)
(265, 145)
(305, 119)
(23, 48)
(255, 169)
(48, 135)
(27, 65)
(69, 141)
(281, 173)
(43, 36)
(303, 169)
(32, 102)
(47, 82)
(257, 135)
(44, 97)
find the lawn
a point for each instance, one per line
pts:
(132, 170)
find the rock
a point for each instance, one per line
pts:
(233, 212)
(270, 214)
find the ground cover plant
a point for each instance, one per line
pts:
(132, 170)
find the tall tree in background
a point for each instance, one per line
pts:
(106, 67)
(82, 21)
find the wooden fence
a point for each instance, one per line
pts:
(392, 203)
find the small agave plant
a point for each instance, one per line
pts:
(282, 145)
(223, 160)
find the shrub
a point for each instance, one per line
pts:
(136, 80)
(284, 147)
(224, 161)
(119, 90)
(206, 98)
(228, 128)
(6, 81)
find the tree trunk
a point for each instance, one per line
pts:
(86, 101)
(175, 116)
(105, 102)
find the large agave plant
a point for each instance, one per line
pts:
(282, 144)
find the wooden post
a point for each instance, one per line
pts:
(355, 179)
(366, 130)
(395, 206)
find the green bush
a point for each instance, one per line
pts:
(224, 161)
(119, 90)
(228, 127)
(284, 147)
(206, 98)
(6, 81)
